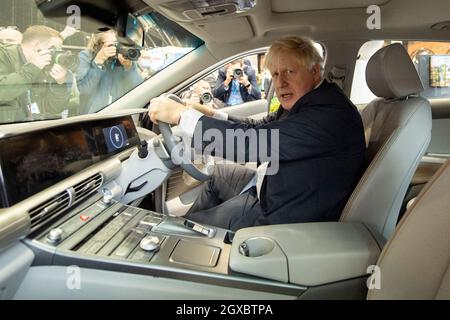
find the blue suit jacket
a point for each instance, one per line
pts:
(321, 157)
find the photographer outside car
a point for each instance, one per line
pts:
(201, 94)
(106, 71)
(237, 84)
(35, 83)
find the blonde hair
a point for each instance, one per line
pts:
(41, 33)
(301, 48)
(96, 41)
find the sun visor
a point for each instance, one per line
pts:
(299, 6)
(233, 30)
(198, 10)
(96, 15)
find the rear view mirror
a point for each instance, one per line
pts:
(131, 36)
(134, 30)
(93, 15)
(98, 15)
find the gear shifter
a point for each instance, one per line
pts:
(143, 150)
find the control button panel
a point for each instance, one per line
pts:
(55, 235)
(128, 233)
(76, 222)
(150, 243)
(97, 242)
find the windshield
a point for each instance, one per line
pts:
(50, 70)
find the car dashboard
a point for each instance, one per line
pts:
(66, 194)
(33, 161)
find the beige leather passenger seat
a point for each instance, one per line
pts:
(398, 131)
(415, 263)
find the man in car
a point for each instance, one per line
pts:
(237, 84)
(320, 149)
(31, 84)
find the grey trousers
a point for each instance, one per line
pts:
(220, 202)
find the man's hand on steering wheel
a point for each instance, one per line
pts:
(166, 110)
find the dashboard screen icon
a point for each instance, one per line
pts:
(116, 137)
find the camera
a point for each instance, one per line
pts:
(206, 98)
(64, 58)
(237, 73)
(128, 52)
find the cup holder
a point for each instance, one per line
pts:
(256, 247)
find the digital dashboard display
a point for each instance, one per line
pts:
(33, 161)
(116, 137)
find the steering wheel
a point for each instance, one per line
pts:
(177, 150)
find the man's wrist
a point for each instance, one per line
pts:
(99, 65)
(180, 114)
(188, 121)
(100, 60)
(220, 115)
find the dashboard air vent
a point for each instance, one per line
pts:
(64, 200)
(86, 187)
(48, 209)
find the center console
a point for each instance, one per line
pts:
(105, 230)
(102, 234)
(292, 260)
(63, 192)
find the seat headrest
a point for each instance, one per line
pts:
(390, 73)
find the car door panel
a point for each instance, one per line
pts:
(248, 109)
(440, 141)
(439, 148)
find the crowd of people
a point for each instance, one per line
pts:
(41, 80)
(236, 83)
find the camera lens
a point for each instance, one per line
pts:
(237, 73)
(64, 58)
(133, 54)
(206, 97)
(130, 53)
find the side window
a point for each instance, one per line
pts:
(237, 82)
(431, 59)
